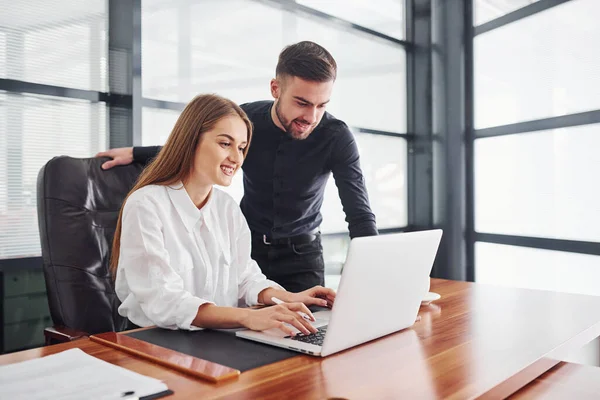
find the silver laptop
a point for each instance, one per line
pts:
(383, 282)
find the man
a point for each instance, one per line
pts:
(296, 145)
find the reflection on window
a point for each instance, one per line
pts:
(538, 184)
(33, 129)
(385, 16)
(383, 162)
(487, 10)
(537, 269)
(541, 66)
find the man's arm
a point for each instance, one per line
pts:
(145, 154)
(351, 185)
(127, 155)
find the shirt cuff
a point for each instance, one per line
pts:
(366, 228)
(187, 311)
(252, 296)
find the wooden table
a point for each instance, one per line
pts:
(564, 381)
(477, 340)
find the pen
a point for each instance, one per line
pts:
(303, 315)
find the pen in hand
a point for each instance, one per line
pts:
(303, 315)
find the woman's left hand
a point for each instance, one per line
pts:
(317, 295)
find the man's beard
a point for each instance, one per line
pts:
(288, 125)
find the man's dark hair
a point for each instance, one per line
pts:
(308, 61)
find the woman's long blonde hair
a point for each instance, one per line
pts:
(175, 160)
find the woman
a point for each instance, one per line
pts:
(181, 252)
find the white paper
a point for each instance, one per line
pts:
(73, 375)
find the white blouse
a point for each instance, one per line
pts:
(175, 257)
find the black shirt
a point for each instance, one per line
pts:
(285, 178)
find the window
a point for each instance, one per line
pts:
(179, 61)
(34, 129)
(62, 44)
(538, 184)
(186, 51)
(385, 16)
(541, 66)
(383, 162)
(157, 125)
(370, 90)
(537, 269)
(56, 42)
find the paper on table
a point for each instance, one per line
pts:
(73, 374)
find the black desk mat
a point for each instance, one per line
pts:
(216, 346)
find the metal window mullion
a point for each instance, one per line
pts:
(469, 143)
(293, 7)
(370, 131)
(124, 75)
(564, 245)
(448, 111)
(524, 12)
(13, 85)
(562, 121)
(162, 104)
(419, 115)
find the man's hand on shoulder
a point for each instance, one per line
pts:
(120, 156)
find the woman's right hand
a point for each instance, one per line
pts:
(277, 317)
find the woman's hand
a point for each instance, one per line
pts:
(277, 317)
(317, 296)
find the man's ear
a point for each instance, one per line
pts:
(275, 88)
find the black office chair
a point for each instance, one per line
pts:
(78, 206)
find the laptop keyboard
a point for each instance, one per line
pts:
(314, 338)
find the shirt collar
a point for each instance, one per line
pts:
(187, 210)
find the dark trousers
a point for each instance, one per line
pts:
(296, 267)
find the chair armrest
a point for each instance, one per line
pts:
(62, 334)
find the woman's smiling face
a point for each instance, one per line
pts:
(220, 152)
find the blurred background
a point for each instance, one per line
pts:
(480, 117)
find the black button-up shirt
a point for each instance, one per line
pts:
(285, 178)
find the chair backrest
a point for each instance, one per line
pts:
(78, 206)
